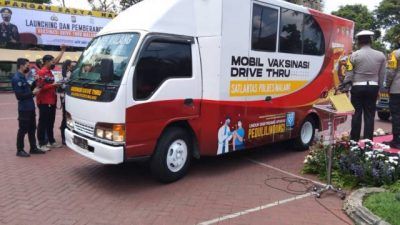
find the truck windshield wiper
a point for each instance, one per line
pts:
(84, 80)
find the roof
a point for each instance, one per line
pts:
(182, 17)
(172, 16)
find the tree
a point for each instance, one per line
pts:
(364, 20)
(314, 4)
(36, 1)
(389, 18)
(104, 5)
(128, 3)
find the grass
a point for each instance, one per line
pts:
(385, 205)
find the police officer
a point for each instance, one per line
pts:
(8, 31)
(393, 83)
(26, 109)
(366, 71)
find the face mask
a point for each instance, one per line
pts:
(26, 70)
(7, 18)
(52, 67)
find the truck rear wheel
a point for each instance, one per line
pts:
(306, 136)
(384, 115)
(172, 156)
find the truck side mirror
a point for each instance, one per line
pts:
(107, 70)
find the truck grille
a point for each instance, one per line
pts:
(84, 129)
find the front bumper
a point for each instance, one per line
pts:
(101, 153)
(382, 107)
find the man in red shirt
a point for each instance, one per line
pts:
(47, 101)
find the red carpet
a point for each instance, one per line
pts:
(380, 139)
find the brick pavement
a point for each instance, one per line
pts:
(62, 187)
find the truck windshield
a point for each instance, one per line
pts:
(116, 48)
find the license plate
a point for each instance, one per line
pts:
(83, 143)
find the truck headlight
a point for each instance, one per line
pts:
(111, 132)
(70, 122)
(109, 135)
(118, 133)
(99, 133)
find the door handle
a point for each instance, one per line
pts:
(188, 102)
(268, 98)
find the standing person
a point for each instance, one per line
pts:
(26, 109)
(9, 34)
(47, 101)
(367, 71)
(393, 83)
(33, 73)
(66, 73)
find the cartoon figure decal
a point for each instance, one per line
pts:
(227, 138)
(224, 136)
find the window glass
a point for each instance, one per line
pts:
(264, 28)
(314, 43)
(291, 31)
(161, 61)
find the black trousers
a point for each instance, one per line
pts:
(394, 105)
(63, 122)
(363, 99)
(27, 124)
(47, 116)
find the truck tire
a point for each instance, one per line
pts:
(306, 135)
(172, 155)
(384, 115)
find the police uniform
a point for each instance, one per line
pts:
(8, 31)
(393, 83)
(26, 111)
(366, 72)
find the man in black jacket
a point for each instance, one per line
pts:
(26, 109)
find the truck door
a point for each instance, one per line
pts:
(166, 88)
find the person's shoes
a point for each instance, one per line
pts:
(36, 151)
(22, 153)
(395, 145)
(54, 145)
(43, 148)
(387, 142)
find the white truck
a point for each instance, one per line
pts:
(172, 80)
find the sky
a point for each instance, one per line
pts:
(333, 5)
(330, 5)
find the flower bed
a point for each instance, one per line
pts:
(355, 164)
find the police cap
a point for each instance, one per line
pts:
(6, 11)
(365, 33)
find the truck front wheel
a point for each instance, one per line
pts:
(172, 156)
(384, 115)
(306, 136)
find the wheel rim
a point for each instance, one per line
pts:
(177, 155)
(306, 132)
